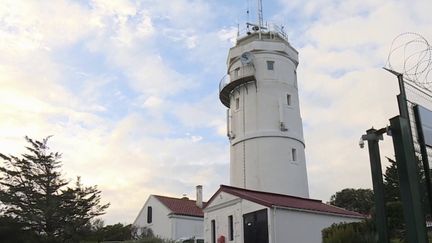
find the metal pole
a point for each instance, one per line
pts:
(373, 136)
(407, 167)
(402, 100)
(409, 181)
(260, 14)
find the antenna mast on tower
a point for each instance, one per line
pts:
(260, 14)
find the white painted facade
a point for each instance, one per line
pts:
(219, 210)
(264, 123)
(167, 225)
(291, 226)
(186, 226)
(267, 151)
(285, 225)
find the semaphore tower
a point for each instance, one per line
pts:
(264, 125)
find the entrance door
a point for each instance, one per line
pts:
(255, 227)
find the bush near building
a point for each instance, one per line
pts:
(361, 232)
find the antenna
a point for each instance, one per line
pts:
(260, 14)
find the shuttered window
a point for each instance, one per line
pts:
(213, 231)
(230, 228)
(149, 215)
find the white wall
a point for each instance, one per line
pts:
(261, 153)
(300, 227)
(161, 224)
(184, 226)
(223, 206)
(285, 226)
(168, 226)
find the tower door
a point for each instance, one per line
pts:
(255, 227)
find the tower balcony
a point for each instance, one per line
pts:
(235, 78)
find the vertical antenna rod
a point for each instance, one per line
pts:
(260, 14)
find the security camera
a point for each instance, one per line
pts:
(361, 143)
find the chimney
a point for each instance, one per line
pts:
(199, 197)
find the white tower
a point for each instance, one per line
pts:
(264, 124)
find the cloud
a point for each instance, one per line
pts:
(129, 89)
(128, 159)
(29, 25)
(108, 119)
(343, 90)
(207, 112)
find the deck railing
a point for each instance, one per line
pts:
(244, 71)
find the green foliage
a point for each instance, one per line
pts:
(34, 194)
(147, 236)
(395, 219)
(351, 199)
(362, 232)
(117, 232)
(358, 200)
(391, 182)
(394, 211)
(97, 232)
(11, 231)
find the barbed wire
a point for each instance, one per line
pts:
(411, 54)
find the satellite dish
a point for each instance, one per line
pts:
(246, 58)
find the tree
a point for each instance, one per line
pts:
(34, 194)
(11, 231)
(358, 200)
(391, 182)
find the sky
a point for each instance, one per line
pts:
(129, 89)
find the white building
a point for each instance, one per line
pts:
(264, 123)
(268, 200)
(241, 215)
(172, 218)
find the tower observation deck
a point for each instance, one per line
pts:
(264, 125)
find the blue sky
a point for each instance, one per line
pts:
(129, 89)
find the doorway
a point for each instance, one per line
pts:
(255, 227)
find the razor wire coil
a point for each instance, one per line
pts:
(411, 55)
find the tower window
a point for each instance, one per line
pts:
(270, 65)
(230, 228)
(213, 231)
(237, 103)
(288, 99)
(294, 154)
(236, 72)
(149, 215)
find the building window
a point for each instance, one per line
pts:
(213, 231)
(295, 79)
(236, 72)
(294, 154)
(237, 103)
(288, 99)
(149, 215)
(270, 65)
(230, 228)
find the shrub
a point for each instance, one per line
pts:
(361, 232)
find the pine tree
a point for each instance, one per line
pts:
(391, 182)
(33, 192)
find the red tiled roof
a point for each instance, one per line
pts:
(181, 206)
(278, 200)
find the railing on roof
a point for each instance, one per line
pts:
(268, 28)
